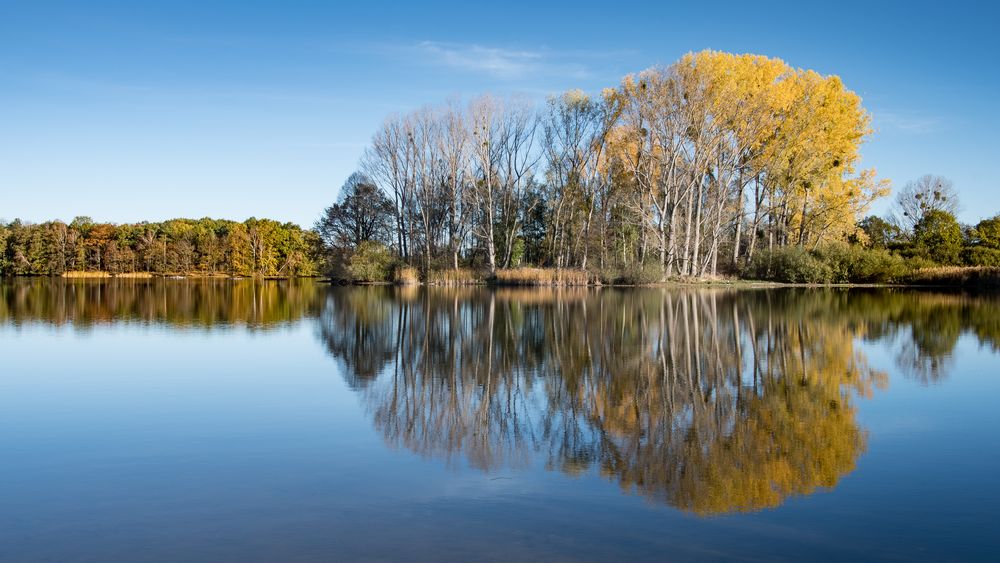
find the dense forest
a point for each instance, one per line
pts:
(255, 247)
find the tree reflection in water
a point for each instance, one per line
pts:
(712, 401)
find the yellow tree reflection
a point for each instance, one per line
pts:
(710, 401)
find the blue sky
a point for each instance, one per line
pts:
(127, 111)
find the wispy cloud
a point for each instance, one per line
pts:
(502, 63)
(907, 122)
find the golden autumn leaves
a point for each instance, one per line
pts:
(736, 121)
(686, 170)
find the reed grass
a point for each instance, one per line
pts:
(406, 275)
(541, 276)
(451, 276)
(957, 276)
(80, 274)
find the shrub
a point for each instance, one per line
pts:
(790, 265)
(854, 264)
(878, 266)
(916, 263)
(633, 274)
(830, 263)
(982, 256)
(370, 262)
(838, 259)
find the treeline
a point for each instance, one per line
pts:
(255, 247)
(686, 170)
(920, 241)
(923, 226)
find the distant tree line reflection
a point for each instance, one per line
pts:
(205, 303)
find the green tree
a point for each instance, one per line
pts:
(984, 247)
(4, 233)
(938, 236)
(987, 232)
(878, 232)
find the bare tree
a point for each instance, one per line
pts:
(454, 148)
(389, 161)
(575, 128)
(484, 154)
(927, 193)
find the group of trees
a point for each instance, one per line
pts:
(923, 226)
(716, 164)
(685, 170)
(920, 234)
(256, 247)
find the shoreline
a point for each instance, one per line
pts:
(951, 278)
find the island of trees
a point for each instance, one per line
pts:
(716, 165)
(719, 164)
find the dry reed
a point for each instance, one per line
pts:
(541, 276)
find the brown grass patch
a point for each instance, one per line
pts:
(957, 276)
(79, 274)
(541, 276)
(406, 275)
(451, 276)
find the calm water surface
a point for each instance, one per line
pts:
(216, 420)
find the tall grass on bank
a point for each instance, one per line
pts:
(79, 274)
(105, 274)
(451, 276)
(406, 275)
(541, 276)
(957, 276)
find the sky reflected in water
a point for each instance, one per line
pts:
(206, 420)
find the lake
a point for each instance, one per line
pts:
(182, 420)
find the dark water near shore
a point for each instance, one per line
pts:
(173, 420)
